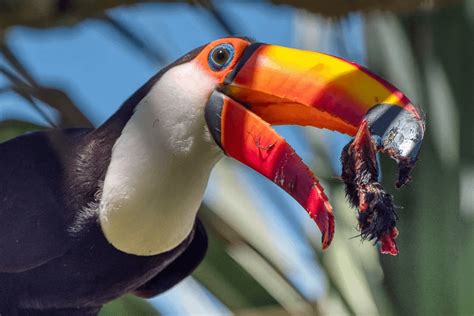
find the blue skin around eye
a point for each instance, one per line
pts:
(213, 64)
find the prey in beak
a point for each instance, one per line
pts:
(262, 85)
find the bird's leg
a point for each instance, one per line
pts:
(376, 213)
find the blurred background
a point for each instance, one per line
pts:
(71, 63)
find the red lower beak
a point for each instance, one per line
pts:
(247, 138)
(281, 85)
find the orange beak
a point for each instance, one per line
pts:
(279, 85)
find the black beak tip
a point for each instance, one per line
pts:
(398, 133)
(405, 168)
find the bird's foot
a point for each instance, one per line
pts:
(376, 212)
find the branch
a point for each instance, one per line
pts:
(337, 8)
(43, 14)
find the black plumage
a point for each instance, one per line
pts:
(45, 269)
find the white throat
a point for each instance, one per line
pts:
(160, 166)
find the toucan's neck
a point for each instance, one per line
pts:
(160, 165)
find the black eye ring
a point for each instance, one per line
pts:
(221, 56)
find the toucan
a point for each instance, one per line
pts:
(88, 215)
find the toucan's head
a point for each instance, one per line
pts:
(242, 87)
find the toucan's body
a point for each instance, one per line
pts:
(48, 269)
(89, 215)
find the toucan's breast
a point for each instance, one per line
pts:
(160, 166)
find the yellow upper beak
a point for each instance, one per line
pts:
(279, 85)
(290, 86)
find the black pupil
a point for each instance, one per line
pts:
(221, 55)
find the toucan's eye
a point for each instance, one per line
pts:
(221, 56)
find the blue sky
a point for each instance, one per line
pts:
(99, 70)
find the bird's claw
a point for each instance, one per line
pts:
(376, 212)
(397, 132)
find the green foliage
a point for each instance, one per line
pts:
(128, 306)
(226, 279)
(436, 235)
(12, 128)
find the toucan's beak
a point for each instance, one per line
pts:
(278, 85)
